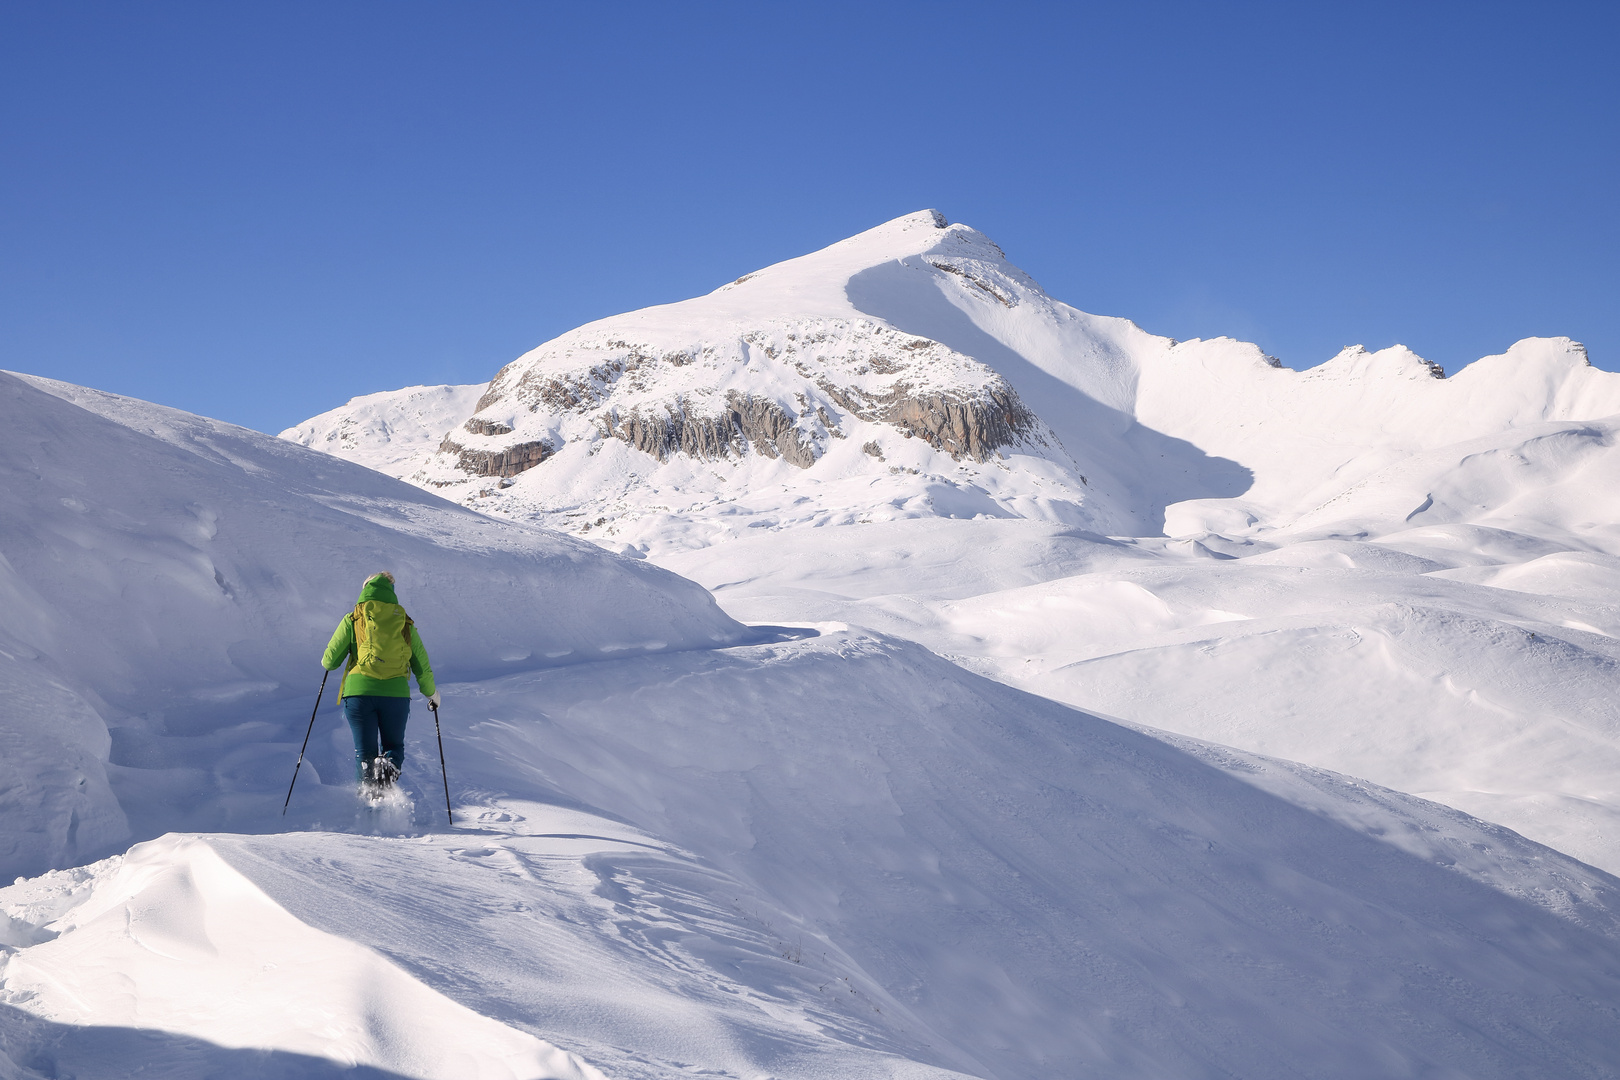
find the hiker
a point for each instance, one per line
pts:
(381, 644)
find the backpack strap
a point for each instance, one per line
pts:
(351, 661)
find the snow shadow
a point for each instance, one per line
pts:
(31, 1047)
(1141, 470)
(763, 634)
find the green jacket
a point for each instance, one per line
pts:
(341, 649)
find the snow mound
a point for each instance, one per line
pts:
(170, 938)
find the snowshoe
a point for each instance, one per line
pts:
(377, 779)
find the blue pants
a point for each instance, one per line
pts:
(370, 716)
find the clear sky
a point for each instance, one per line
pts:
(257, 211)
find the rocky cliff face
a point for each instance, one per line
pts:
(503, 463)
(782, 392)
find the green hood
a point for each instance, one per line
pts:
(377, 589)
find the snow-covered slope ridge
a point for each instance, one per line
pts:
(1318, 440)
(911, 371)
(788, 389)
(838, 857)
(171, 932)
(167, 584)
(384, 431)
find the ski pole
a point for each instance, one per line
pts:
(440, 734)
(301, 749)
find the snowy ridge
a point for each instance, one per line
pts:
(830, 389)
(171, 930)
(1316, 436)
(382, 431)
(163, 574)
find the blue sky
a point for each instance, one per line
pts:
(258, 211)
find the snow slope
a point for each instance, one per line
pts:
(913, 871)
(389, 431)
(1474, 666)
(812, 853)
(168, 583)
(1387, 521)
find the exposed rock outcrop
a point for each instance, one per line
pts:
(965, 427)
(480, 426)
(508, 461)
(963, 424)
(747, 420)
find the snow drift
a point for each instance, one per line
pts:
(170, 581)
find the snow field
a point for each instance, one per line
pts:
(170, 581)
(840, 856)
(818, 849)
(1358, 657)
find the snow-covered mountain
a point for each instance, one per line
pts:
(391, 430)
(681, 846)
(913, 371)
(820, 841)
(1365, 566)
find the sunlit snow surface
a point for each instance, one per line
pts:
(812, 847)
(1361, 566)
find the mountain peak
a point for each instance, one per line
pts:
(911, 370)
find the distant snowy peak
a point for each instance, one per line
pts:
(913, 371)
(778, 363)
(819, 382)
(384, 430)
(1313, 439)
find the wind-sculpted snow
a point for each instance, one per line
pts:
(168, 585)
(171, 933)
(841, 856)
(685, 846)
(1470, 664)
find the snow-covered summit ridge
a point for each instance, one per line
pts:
(385, 430)
(781, 365)
(913, 370)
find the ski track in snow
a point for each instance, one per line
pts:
(983, 791)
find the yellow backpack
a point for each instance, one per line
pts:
(382, 640)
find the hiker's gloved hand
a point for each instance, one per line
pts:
(433, 701)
